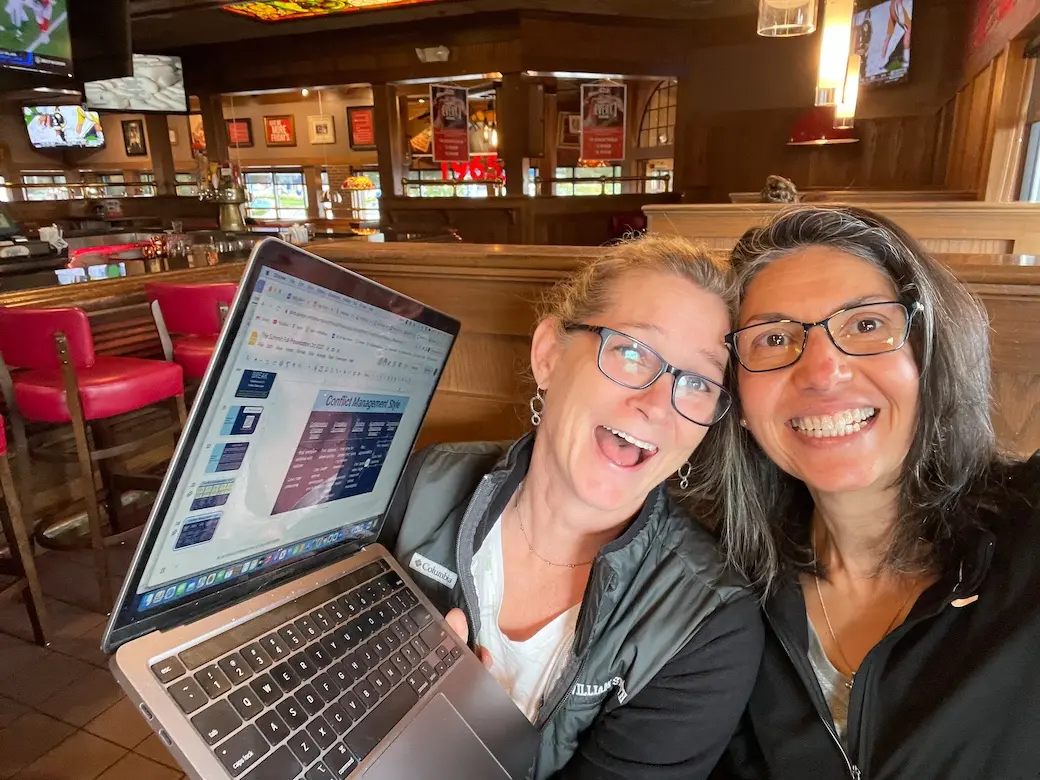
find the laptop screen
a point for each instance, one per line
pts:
(307, 427)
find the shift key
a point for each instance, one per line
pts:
(368, 733)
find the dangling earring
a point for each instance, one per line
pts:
(684, 475)
(537, 406)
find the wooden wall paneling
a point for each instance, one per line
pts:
(996, 97)
(1006, 154)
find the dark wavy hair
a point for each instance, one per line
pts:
(763, 514)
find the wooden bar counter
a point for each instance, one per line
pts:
(494, 290)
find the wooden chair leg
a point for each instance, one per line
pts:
(97, 537)
(180, 410)
(22, 552)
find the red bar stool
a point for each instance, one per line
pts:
(195, 314)
(21, 564)
(61, 380)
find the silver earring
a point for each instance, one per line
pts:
(743, 423)
(537, 406)
(684, 475)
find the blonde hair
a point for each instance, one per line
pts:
(588, 291)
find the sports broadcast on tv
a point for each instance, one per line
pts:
(881, 37)
(34, 35)
(52, 127)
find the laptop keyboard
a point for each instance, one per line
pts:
(310, 688)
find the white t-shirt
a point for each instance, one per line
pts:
(525, 669)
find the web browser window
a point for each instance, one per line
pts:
(303, 442)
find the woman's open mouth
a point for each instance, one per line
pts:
(834, 426)
(623, 449)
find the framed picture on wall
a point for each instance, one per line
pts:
(197, 132)
(361, 128)
(133, 138)
(321, 129)
(280, 130)
(569, 131)
(239, 132)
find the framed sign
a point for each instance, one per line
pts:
(569, 135)
(361, 128)
(239, 133)
(280, 130)
(133, 138)
(603, 121)
(321, 129)
(449, 109)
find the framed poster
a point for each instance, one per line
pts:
(449, 119)
(280, 130)
(133, 138)
(603, 121)
(239, 133)
(321, 129)
(569, 133)
(361, 128)
(197, 132)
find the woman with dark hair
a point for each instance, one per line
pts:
(895, 548)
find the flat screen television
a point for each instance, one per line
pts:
(157, 86)
(881, 37)
(62, 127)
(34, 36)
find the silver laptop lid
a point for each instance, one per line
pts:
(296, 441)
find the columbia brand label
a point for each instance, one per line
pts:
(433, 570)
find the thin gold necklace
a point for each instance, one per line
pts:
(520, 517)
(834, 637)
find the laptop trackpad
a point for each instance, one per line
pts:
(436, 745)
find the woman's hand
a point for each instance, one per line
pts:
(456, 620)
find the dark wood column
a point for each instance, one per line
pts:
(386, 116)
(547, 168)
(213, 125)
(158, 132)
(513, 109)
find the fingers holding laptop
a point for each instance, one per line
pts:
(456, 620)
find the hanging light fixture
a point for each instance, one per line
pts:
(845, 110)
(834, 51)
(786, 18)
(816, 127)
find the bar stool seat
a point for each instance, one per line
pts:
(193, 353)
(110, 387)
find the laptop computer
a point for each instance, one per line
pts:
(260, 630)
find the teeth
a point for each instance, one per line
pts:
(632, 439)
(832, 425)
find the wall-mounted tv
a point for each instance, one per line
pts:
(34, 35)
(61, 127)
(881, 37)
(157, 86)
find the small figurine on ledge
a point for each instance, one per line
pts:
(779, 190)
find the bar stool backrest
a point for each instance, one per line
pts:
(27, 337)
(191, 309)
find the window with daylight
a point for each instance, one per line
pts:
(1031, 173)
(146, 185)
(658, 175)
(112, 179)
(45, 186)
(186, 184)
(657, 127)
(276, 194)
(369, 198)
(588, 181)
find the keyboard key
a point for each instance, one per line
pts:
(321, 619)
(309, 698)
(368, 654)
(428, 672)
(434, 634)
(342, 675)
(400, 632)
(381, 649)
(319, 772)
(256, 657)
(408, 625)
(420, 616)
(357, 664)
(381, 586)
(400, 663)
(303, 748)
(318, 656)
(419, 683)
(393, 579)
(349, 606)
(292, 713)
(377, 724)
(272, 727)
(216, 722)
(303, 667)
(440, 667)
(371, 622)
(353, 706)
(286, 677)
(410, 655)
(420, 646)
(391, 604)
(321, 732)
(337, 718)
(213, 681)
(409, 598)
(240, 751)
(167, 670)
(441, 651)
(188, 695)
(456, 652)
(308, 629)
(389, 638)
(246, 703)
(281, 764)
(275, 647)
(379, 683)
(326, 687)
(384, 613)
(390, 673)
(266, 689)
(340, 760)
(403, 603)
(363, 597)
(334, 646)
(335, 611)
(292, 638)
(350, 635)
(366, 693)
(235, 668)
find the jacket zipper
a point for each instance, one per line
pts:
(465, 575)
(853, 770)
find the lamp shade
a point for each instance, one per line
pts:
(785, 18)
(834, 51)
(816, 128)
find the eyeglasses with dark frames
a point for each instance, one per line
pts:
(629, 362)
(858, 331)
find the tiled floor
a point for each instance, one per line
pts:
(62, 716)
